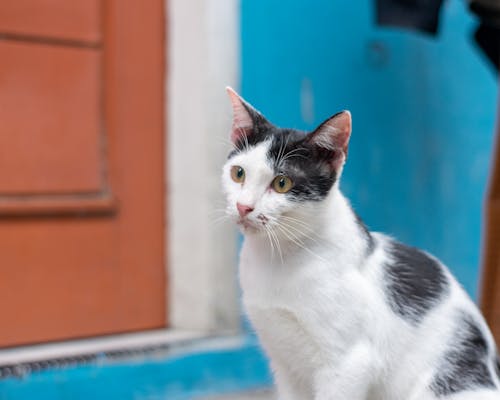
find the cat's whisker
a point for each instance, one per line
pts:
(303, 229)
(278, 245)
(282, 149)
(298, 234)
(273, 245)
(230, 143)
(217, 218)
(298, 222)
(266, 229)
(291, 235)
(221, 216)
(299, 242)
(219, 221)
(245, 136)
(279, 222)
(293, 153)
(278, 157)
(310, 234)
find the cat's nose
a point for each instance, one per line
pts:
(243, 209)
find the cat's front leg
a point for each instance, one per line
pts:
(287, 387)
(350, 378)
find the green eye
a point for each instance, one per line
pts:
(237, 174)
(282, 184)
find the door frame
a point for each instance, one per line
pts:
(202, 256)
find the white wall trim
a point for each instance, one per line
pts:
(203, 58)
(95, 345)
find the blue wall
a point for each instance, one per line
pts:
(187, 373)
(423, 113)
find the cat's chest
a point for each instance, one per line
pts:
(301, 303)
(271, 282)
(281, 330)
(297, 281)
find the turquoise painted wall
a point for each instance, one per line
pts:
(186, 373)
(423, 113)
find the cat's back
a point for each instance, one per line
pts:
(438, 334)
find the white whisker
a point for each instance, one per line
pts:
(298, 222)
(293, 153)
(270, 241)
(273, 233)
(307, 236)
(298, 242)
(218, 221)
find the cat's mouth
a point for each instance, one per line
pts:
(248, 225)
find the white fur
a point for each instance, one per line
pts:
(318, 305)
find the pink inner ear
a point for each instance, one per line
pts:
(242, 121)
(334, 133)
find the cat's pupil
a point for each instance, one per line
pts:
(282, 183)
(239, 173)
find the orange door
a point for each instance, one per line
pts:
(81, 168)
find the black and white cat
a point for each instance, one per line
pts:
(343, 313)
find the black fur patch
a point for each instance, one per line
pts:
(304, 164)
(465, 364)
(415, 282)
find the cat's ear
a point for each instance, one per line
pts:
(244, 117)
(333, 136)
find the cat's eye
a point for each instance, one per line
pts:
(237, 174)
(282, 184)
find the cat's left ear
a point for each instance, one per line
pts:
(333, 136)
(245, 117)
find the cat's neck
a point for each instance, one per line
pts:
(328, 225)
(343, 229)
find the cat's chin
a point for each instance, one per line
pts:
(247, 227)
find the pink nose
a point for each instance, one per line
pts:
(243, 209)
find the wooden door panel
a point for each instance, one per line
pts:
(82, 205)
(50, 113)
(69, 279)
(61, 19)
(76, 266)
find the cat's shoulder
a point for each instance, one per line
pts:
(413, 281)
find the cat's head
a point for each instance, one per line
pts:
(274, 176)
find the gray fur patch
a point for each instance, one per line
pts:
(414, 282)
(465, 363)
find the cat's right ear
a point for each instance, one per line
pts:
(244, 117)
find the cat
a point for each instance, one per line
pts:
(343, 313)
